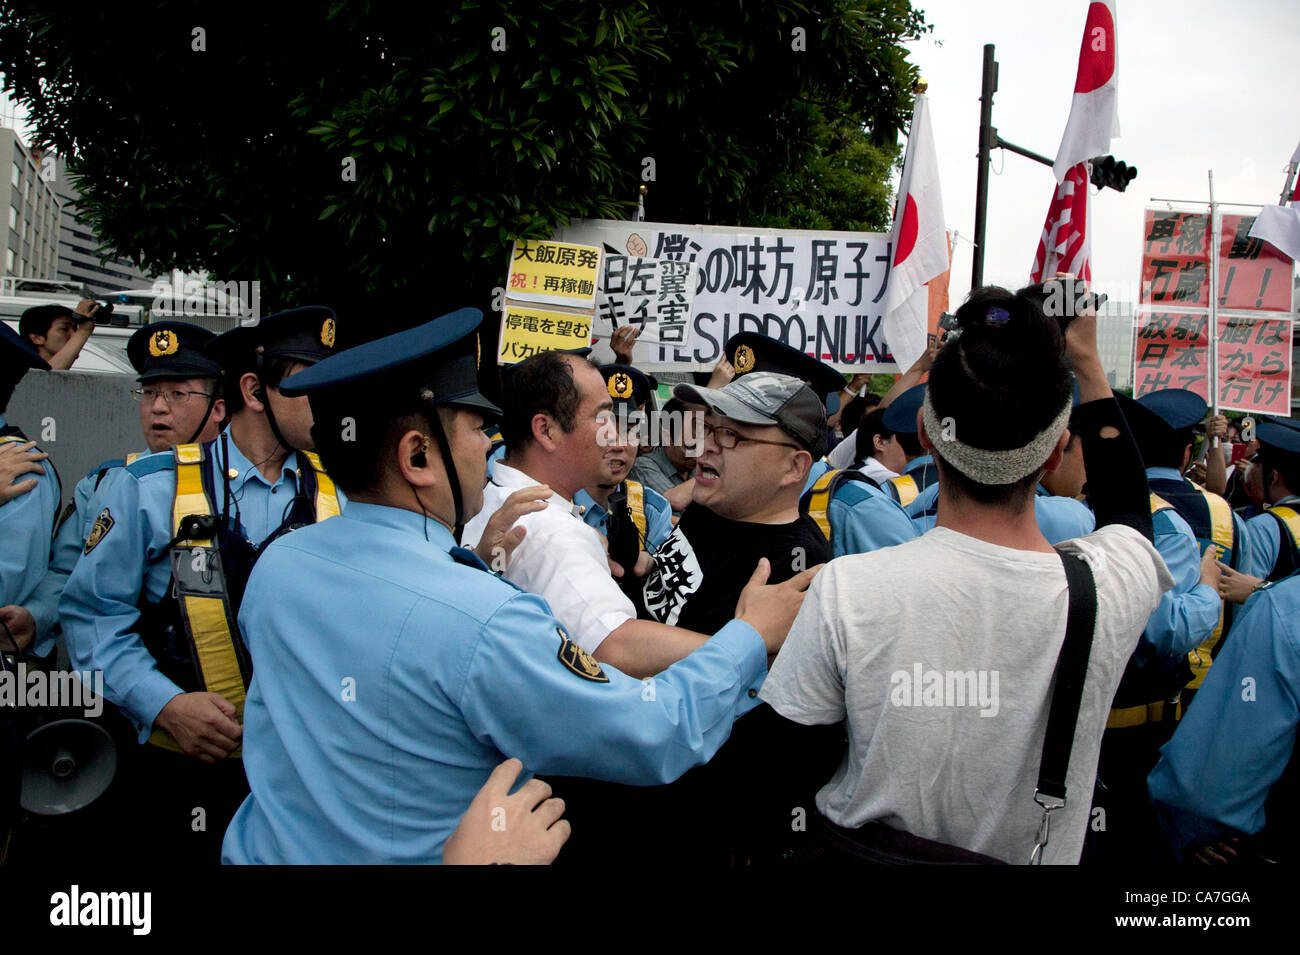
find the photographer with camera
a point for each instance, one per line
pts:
(941, 654)
(58, 333)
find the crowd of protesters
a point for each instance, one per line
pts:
(341, 602)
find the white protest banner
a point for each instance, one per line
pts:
(653, 293)
(820, 292)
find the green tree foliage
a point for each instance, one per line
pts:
(469, 124)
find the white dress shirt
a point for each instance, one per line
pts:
(561, 559)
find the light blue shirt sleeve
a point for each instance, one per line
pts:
(519, 699)
(26, 526)
(924, 511)
(1262, 540)
(1063, 518)
(1189, 611)
(100, 601)
(658, 519)
(68, 541)
(864, 519)
(1235, 741)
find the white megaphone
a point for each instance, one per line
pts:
(67, 765)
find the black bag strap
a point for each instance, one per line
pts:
(1071, 670)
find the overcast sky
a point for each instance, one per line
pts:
(1201, 86)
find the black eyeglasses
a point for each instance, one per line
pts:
(173, 396)
(728, 438)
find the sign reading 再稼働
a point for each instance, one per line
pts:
(820, 292)
(1254, 322)
(561, 277)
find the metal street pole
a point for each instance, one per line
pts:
(988, 139)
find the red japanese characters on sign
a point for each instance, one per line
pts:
(1254, 324)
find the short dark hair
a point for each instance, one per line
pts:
(1285, 464)
(1003, 382)
(851, 415)
(38, 319)
(540, 384)
(353, 451)
(910, 442)
(1162, 447)
(274, 370)
(872, 424)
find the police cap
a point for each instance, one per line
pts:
(753, 351)
(1280, 434)
(626, 385)
(17, 355)
(434, 364)
(900, 416)
(175, 350)
(303, 334)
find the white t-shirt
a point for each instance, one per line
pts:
(560, 559)
(940, 654)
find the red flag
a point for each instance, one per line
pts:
(1064, 244)
(1094, 112)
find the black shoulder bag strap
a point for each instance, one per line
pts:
(1063, 717)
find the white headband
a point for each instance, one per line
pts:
(993, 467)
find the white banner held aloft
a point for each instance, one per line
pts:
(653, 293)
(820, 292)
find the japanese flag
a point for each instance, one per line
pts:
(1094, 114)
(1280, 225)
(920, 243)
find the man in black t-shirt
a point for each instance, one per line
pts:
(761, 435)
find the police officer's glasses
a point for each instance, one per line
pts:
(728, 439)
(173, 396)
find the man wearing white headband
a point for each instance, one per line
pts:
(939, 654)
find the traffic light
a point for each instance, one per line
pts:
(1107, 172)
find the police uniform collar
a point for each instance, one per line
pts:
(401, 519)
(1164, 474)
(239, 469)
(916, 464)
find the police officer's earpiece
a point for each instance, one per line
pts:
(259, 394)
(420, 459)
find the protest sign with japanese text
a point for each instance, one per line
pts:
(526, 331)
(820, 292)
(1254, 331)
(653, 293)
(554, 273)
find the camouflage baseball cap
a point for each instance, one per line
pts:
(767, 398)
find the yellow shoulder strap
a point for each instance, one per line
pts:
(1159, 504)
(208, 621)
(1222, 536)
(327, 498)
(819, 502)
(636, 504)
(1290, 518)
(905, 486)
(133, 456)
(11, 439)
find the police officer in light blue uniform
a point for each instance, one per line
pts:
(201, 410)
(861, 516)
(27, 521)
(1273, 538)
(630, 391)
(917, 487)
(132, 607)
(1230, 770)
(393, 670)
(1147, 702)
